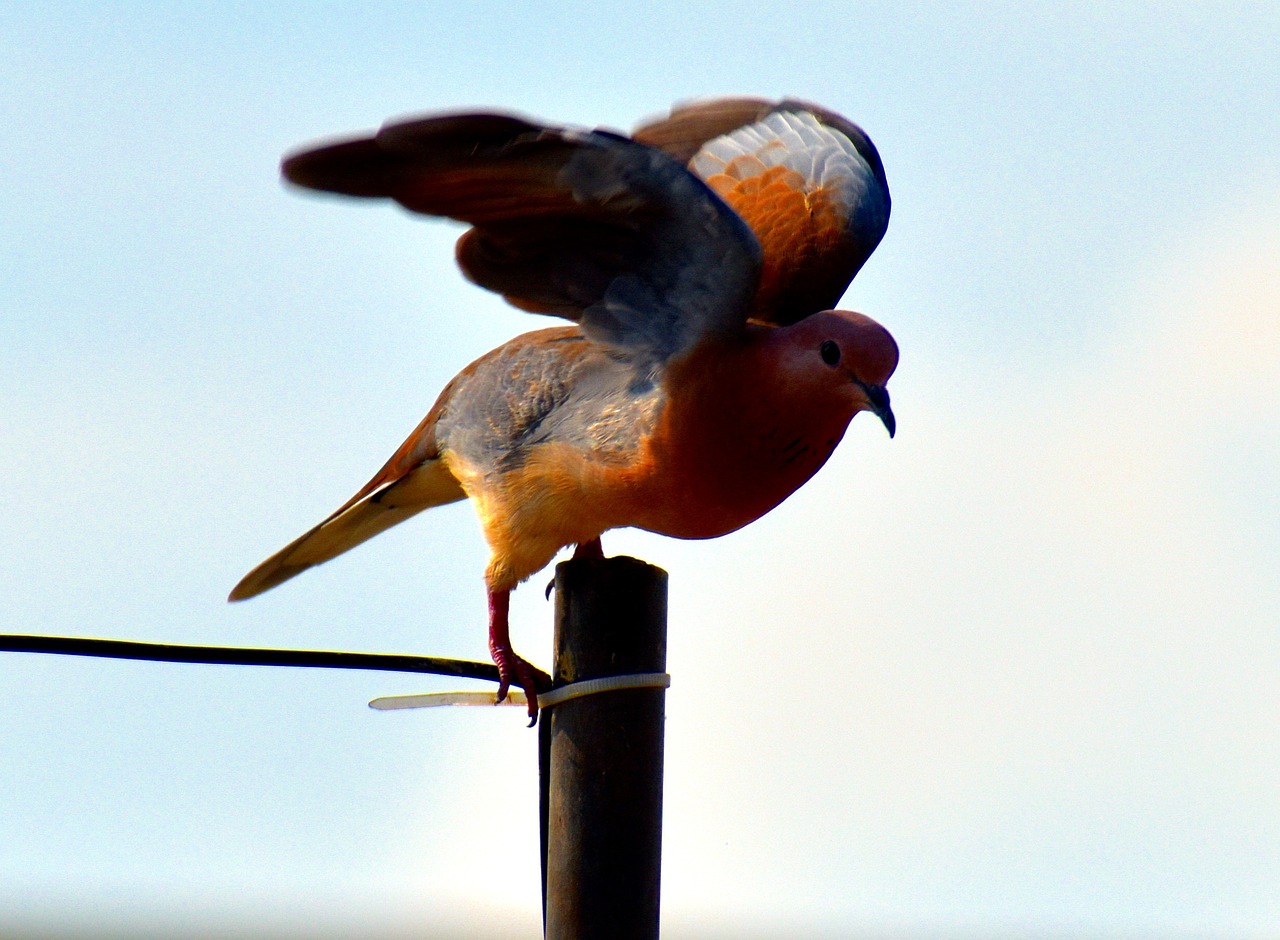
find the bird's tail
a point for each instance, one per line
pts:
(426, 485)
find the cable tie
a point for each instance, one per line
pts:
(639, 680)
(565, 693)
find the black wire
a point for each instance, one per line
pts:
(245, 656)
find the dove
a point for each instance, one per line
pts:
(702, 377)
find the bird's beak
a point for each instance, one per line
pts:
(878, 396)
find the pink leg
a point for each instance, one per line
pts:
(511, 666)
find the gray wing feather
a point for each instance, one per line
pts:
(702, 261)
(538, 390)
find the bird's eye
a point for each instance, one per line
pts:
(830, 352)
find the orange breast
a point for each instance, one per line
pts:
(559, 495)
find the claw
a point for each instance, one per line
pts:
(514, 669)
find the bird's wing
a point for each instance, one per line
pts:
(809, 183)
(586, 225)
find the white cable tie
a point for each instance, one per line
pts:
(640, 680)
(436, 699)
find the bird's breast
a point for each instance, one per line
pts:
(726, 451)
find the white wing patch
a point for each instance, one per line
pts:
(826, 158)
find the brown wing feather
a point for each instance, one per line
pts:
(588, 225)
(690, 125)
(808, 258)
(535, 241)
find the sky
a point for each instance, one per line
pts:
(1014, 673)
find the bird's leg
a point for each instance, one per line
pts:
(591, 549)
(512, 666)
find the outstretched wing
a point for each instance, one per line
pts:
(809, 183)
(586, 225)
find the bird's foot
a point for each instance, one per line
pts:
(512, 667)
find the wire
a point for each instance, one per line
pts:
(245, 656)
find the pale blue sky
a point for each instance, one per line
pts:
(1047, 615)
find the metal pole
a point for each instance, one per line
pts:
(603, 839)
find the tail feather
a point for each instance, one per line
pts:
(427, 485)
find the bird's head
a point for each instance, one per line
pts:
(842, 357)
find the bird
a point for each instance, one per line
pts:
(703, 375)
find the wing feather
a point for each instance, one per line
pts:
(808, 182)
(587, 225)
